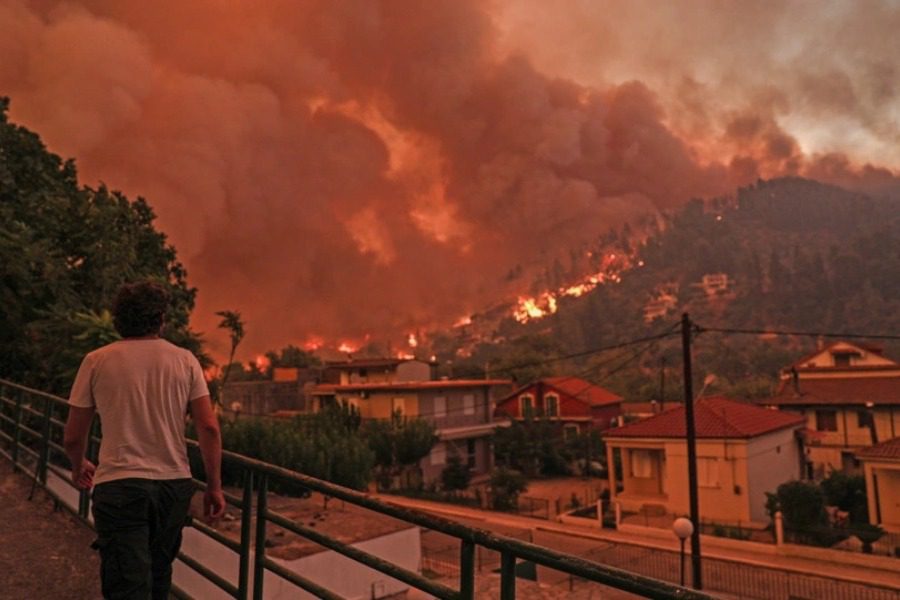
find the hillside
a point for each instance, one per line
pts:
(796, 255)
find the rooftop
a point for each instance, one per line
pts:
(715, 417)
(838, 390)
(342, 521)
(440, 384)
(889, 450)
(591, 394)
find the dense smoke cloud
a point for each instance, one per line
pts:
(338, 169)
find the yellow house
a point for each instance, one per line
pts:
(849, 395)
(460, 409)
(743, 451)
(881, 465)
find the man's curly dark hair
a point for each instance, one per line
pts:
(139, 308)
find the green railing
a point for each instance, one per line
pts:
(31, 424)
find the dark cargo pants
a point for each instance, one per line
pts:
(139, 525)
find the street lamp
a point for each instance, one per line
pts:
(683, 529)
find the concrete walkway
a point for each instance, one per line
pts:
(492, 520)
(44, 553)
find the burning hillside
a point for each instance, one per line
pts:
(338, 170)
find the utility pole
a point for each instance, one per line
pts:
(662, 383)
(691, 440)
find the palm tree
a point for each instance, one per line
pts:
(231, 320)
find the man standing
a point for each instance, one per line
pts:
(142, 387)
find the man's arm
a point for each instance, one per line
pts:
(210, 440)
(78, 426)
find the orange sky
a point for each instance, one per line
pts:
(336, 169)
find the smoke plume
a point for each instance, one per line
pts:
(343, 169)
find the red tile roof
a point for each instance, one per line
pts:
(714, 417)
(798, 364)
(586, 391)
(889, 450)
(408, 385)
(838, 390)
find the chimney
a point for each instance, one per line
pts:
(795, 380)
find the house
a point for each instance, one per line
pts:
(743, 451)
(849, 395)
(574, 402)
(375, 370)
(461, 410)
(286, 391)
(881, 465)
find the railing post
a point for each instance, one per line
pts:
(467, 570)
(41, 472)
(244, 559)
(259, 570)
(507, 576)
(17, 429)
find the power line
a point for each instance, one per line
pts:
(825, 334)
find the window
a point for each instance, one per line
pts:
(440, 407)
(470, 453)
(570, 432)
(468, 404)
(552, 405)
(526, 405)
(863, 418)
(708, 472)
(843, 359)
(439, 454)
(398, 405)
(826, 420)
(641, 464)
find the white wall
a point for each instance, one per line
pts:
(773, 459)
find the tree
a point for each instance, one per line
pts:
(290, 357)
(231, 321)
(456, 475)
(398, 445)
(65, 249)
(506, 485)
(848, 493)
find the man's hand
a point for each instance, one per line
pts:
(213, 505)
(83, 475)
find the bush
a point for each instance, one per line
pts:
(506, 485)
(848, 493)
(456, 474)
(320, 445)
(801, 503)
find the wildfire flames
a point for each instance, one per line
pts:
(546, 303)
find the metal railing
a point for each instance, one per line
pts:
(31, 424)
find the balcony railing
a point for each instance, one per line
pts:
(31, 424)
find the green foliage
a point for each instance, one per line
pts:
(801, 503)
(456, 475)
(326, 445)
(291, 357)
(398, 444)
(534, 447)
(848, 493)
(64, 251)
(506, 485)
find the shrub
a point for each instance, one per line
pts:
(506, 485)
(848, 493)
(456, 474)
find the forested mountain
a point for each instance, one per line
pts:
(798, 255)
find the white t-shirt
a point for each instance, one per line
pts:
(141, 389)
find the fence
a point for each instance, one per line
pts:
(31, 424)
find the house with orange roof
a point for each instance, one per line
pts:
(572, 401)
(743, 451)
(849, 395)
(881, 465)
